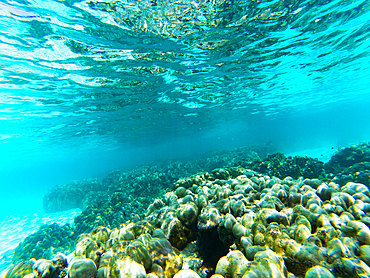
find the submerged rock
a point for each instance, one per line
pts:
(33, 268)
(82, 268)
(318, 272)
(234, 265)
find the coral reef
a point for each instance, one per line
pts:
(228, 222)
(350, 164)
(54, 268)
(141, 182)
(109, 214)
(70, 195)
(280, 166)
(46, 243)
(233, 222)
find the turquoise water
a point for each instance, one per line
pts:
(87, 87)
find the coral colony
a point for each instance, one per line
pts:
(229, 222)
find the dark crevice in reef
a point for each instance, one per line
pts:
(211, 248)
(298, 268)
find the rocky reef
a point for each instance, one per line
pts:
(146, 181)
(350, 164)
(143, 182)
(280, 166)
(70, 195)
(229, 222)
(47, 241)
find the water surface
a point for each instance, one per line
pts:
(91, 86)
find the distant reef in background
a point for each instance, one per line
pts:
(145, 180)
(350, 164)
(132, 191)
